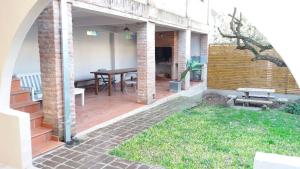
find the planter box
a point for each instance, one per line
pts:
(175, 86)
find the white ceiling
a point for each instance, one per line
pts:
(83, 17)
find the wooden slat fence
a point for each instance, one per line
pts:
(230, 68)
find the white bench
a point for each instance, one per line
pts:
(255, 96)
(257, 92)
(253, 101)
(33, 83)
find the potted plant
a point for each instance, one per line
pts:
(175, 85)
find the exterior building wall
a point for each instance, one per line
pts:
(146, 62)
(51, 67)
(165, 12)
(204, 54)
(176, 7)
(184, 54)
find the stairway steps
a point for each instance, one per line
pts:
(40, 135)
(15, 85)
(36, 119)
(19, 96)
(28, 106)
(42, 139)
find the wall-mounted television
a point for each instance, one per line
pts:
(163, 54)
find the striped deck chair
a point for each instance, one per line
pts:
(33, 83)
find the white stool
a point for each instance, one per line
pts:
(81, 92)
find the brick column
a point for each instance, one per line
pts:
(204, 53)
(51, 67)
(184, 54)
(146, 62)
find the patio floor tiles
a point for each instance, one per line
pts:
(101, 108)
(92, 151)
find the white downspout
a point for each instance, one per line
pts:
(66, 70)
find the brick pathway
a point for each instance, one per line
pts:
(92, 151)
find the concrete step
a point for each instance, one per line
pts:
(19, 96)
(28, 106)
(15, 85)
(40, 135)
(36, 119)
(42, 140)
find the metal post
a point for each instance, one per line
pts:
(66, 70)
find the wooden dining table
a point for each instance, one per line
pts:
(110, 74)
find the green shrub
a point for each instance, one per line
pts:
(293, 107)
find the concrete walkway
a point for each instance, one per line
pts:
(92, 151)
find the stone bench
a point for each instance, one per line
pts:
(253, 101)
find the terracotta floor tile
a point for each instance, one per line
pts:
(101, 108)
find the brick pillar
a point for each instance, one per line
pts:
(51, 67)
(146, 62)
(204, 53)
(184, 54)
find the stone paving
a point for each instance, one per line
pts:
(92, 152)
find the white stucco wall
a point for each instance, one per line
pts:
(142, 1)
(125, 52)
(90, 52)
(15, 126)
(178, 7)
(195, 9)
(28, 60)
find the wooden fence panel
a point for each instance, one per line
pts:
(230, 68)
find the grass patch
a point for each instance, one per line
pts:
(214, 137)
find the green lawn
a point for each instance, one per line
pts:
(214, 137)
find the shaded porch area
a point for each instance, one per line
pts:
(101, 108)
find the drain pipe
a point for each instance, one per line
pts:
(66, 70)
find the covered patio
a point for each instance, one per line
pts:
(97, 42)
(101, 108)
(114, 46)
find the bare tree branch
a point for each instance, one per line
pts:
(247, 43)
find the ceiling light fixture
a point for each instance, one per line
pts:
(127, 33)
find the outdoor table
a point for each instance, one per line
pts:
(248, 90)
(110, 73)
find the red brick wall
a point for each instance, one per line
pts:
(146, 62)
(51, 67)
